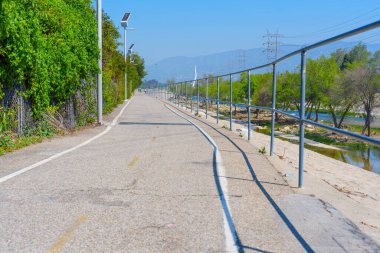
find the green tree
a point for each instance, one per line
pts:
(358, 55)
(288, 90)
(321, 74)
(367, 84)
(261, 90)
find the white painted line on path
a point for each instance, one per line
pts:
(51, 158)
(229, 235)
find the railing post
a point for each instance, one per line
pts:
(302, 118)
(186, 94)
(191, 97)
(197, 97)
(206, 98)
(181, 95)
(176, 94)
(249, 104)
(274, 82)
(230, 102)
(217, 100)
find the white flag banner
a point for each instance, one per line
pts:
(195, 75)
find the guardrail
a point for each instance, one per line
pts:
(177, 90)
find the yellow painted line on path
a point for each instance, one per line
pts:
(133, 162)
(63, 239)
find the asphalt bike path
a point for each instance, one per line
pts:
(157, 179)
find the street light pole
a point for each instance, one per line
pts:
(124, 23)
(125, 60)
(130, 53)
(100, 45)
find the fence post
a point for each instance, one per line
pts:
(206, 98)
(217, 100)
(249, 104)
(302, 118)
(19, 112)
(274, 82)
(197, 97)
(230, 102)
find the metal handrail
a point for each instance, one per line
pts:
(327, 127)
(301, 118)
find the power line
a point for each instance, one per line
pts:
(339, 26)
(372, 41)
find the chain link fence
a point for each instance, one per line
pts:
(78, 109)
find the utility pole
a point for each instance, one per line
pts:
(125, 60)
(100, 45)
(272, 45)
(132, 61)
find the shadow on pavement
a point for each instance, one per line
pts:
(280, 213)
(263, 182)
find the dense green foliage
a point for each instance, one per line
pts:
(48, 47)
(49, 55)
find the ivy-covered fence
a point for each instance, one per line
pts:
(48, 66)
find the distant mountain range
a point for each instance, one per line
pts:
(182, 68)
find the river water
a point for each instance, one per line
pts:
(362, 156)
(351, 120)
(366, 157)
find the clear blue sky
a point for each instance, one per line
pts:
(167, 28)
